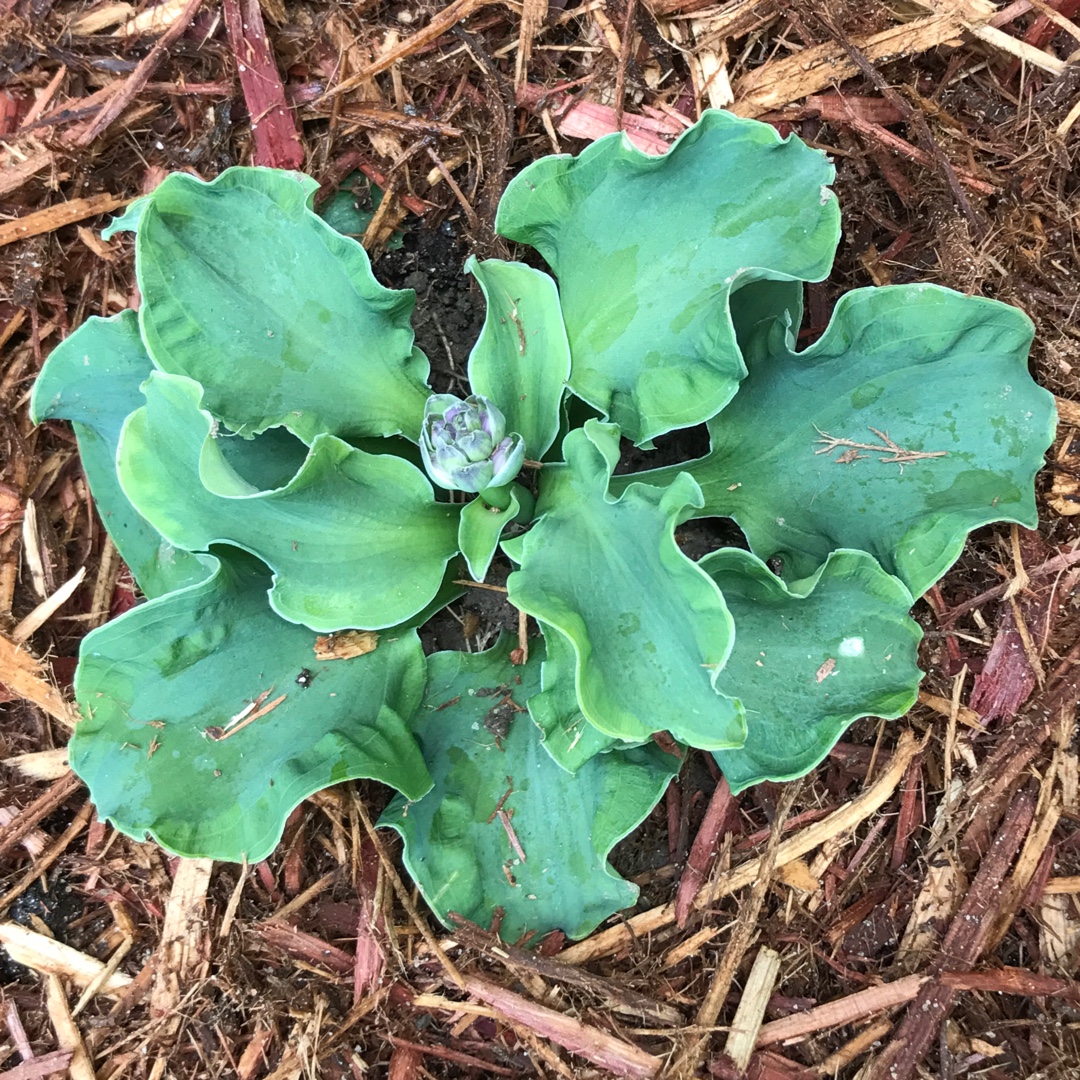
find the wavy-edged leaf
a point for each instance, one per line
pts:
(457, 846)
(479, 532)
(762, 302)
(354, 539)
(568, 737)
(128, 219)
(246, 290)
(650, 630)
(910, 422)
(92, 378)
(160, 689)
(521, 360)
(811, 657)
(648, 251)
(265, 461)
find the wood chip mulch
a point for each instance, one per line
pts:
(910, 909)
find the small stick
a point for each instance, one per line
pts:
(40, 808)
(445, 20)
(480, 585)
(704, 850)
(900, 456)
(841, 1011)
(499, 805)
(515, 843)
(624, 59)
(49, 856)
(103, 976)
(751, 1009)
(47, 608)
(595, 1045)
(456, 1056)
(1051, 566)
(406, 901)
(854, 1048)
(221, 734)
(139, 77)
(234, 900)
(523, 639)
(249, 707)
(59, 214)
(470, 213)
(688, 1056)
(610, 995)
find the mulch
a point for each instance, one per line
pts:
(907, 910)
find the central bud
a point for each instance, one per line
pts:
(465, 444)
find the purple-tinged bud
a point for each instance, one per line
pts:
(465, 445)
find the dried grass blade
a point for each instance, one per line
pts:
(47, 608)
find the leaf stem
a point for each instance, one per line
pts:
(498, 498)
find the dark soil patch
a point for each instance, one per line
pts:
(449, 312)
(55, 906)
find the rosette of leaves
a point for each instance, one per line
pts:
(254, 437)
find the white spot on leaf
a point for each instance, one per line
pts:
(852, 646)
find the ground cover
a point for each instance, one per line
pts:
(908, 909)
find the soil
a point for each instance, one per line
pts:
(449, 308)
(51, 901)
(957, 164)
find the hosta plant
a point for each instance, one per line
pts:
(293, 499)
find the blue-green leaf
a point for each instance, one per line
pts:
(522, 358)
(910, 422)
(649, 628)
(161, 690)
(479, 532)
(649, 251)
(354, 539)
(458, 848)
(283, 324)
(92, 378)
(811, 657)
(568, 737)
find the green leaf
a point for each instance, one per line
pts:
(128, 221)
(811, 657)
(457, 848)
(521, 360)
(568, 737)
(449, 591)
(941, 375)
(265, 461)
(761, 302)
(92, 378)
(344, 214)
(246, 290)
(479, 532)
(157, 684)
(648, 251)
(649, 628)
(355, 539)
